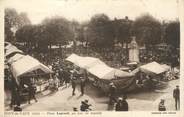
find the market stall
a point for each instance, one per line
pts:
(151, 75)
(27, 68)
(10, 49)
(153, 68)
(101, 75)
(27, 64)
(14, 58)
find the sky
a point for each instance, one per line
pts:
(83, 10)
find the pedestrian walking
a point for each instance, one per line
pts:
(176, 95)
(82, 84)
(15, 96)
(61, 80)
(73, 85)
(66, 77)
(112, 93)
(31, 91)
(161, 106)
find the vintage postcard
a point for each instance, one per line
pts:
(91, 58)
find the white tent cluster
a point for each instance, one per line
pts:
(9, 49)
(22, 64)
(96, 67)
(152, 68)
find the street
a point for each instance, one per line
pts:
(63, 100)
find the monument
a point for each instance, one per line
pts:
(133, 51)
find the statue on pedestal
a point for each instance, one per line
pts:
(133, 51)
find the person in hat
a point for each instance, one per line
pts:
(73, 82)
(83, 81)
(176, 95)
(60, 76)
(66, 77)
(124, 103)
(82, 85)
(31, 92)
(112, 93)
(161, 106)
(17, 108)
(75, 109)
(82, 107)
(85, 106)
(15, 92)
(118, 106)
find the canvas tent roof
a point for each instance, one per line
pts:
(27, 64)
(96, 67)
(102, 71)
(135, 71)
(88, 62)
(15, 58)
(132, 63)
(105, 72)
(7, 45)
(11, 49)
(153, 67)
(119, 73)
(73, 58)
(167, 67)
(84, 62)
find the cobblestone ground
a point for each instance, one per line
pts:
(62, 100)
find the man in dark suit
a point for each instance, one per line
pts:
(176, 95)
(73, 82)
(32, 92)
(124, 103)
(112, 93)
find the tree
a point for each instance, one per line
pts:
(147, 30)
(100, 31)
(30, 35)
(13, 21)
(122, 31)
(122, 28)
(173, 34)
(58, 30)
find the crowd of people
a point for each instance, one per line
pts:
(66, 74)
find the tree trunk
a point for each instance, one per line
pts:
(127, 54)
(61, 51)
(50, 52)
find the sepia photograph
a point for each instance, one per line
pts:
(78, 55)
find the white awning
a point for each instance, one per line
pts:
(153, 67)
(165, 66)
(102, 71)
(27, 64)
(96, 67)
(73, 58)
(11, 49)
(15, 58)
(84, 62)
(122, 74)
